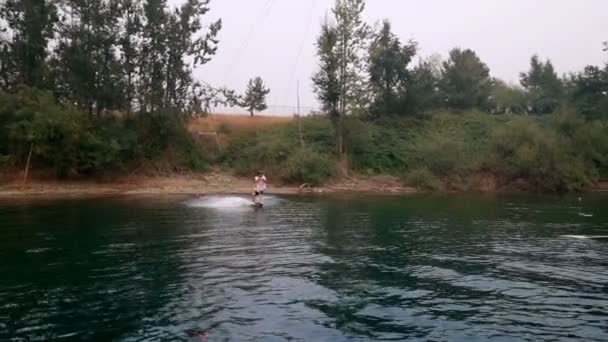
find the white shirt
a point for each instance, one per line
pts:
(260, 183)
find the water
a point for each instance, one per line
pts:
(417, 268)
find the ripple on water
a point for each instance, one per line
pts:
(302, 269)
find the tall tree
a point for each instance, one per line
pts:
(466, 80)
(545, 89)
(173, 43)
(130, 47)
(255, 96)
(86, 66)
(590, 93)
(424, 92)
(388, 68)
(352, 36)
(341, 48)
(325, 80)
(31, 26)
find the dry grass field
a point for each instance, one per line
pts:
(230, 122)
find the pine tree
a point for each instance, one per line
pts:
(86, 67)
(424, 90)
(23, 57)
(130, 48)
(388, 69)
(544, 87)
(255, 96)
(466, 80)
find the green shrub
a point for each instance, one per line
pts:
(375, 149)
(547, 160)
(106, 144)
(305, 165)
(191, 155)
(451, 145)
(423, 179)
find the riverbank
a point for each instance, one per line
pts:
(209, 183)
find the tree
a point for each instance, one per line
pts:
(128, 40)
(545, 89)
(424, 92)
(590, 93)
(340, 84)
(125, 54)
(31, 23)
(466, 80)
(173, 43)
(352, 35)
(507, 98)
(86, 68)
(325, 80)
(255, 96)
(388, 72)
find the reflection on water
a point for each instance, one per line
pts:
(455, 268)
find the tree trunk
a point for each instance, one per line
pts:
(27, 165)
(340, 138)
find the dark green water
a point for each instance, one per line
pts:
(417, 268)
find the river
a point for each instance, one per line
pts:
(336, 268)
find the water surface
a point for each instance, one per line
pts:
(415, 268)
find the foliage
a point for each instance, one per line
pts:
(422, 178)
(375, 149)
(451, 147)
(524, 149)
(255, 96)
(507, 99)
(339, 84)
(466, 80)
(423, 93)
(388, 69)
(545, 89)
(277, 151)
(305, 165)
(590, 93)
(352, 35)
(71, 142)
(23, 55)
(325, 80)
(129, 62)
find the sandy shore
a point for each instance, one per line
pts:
(211, 183)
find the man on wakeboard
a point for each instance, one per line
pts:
(260, 188)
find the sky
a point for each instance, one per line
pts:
(275, 39)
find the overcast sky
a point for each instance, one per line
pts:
(275, 39)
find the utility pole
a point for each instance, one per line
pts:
(300, 117)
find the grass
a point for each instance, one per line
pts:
(224, 123)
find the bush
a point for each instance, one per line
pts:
(375, 149)
(591, 142)
(53, 131)
(73, 142)
(305, 165)
(423, 179)
(107, 144)
(270, 148)
(547, 160)
(452, 146)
